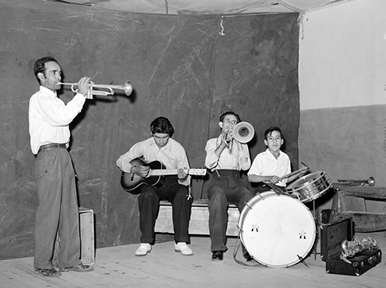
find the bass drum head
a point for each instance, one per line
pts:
(277, 230)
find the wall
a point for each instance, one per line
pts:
(342, 83)
(180, 67)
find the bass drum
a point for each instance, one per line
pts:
(277, 230)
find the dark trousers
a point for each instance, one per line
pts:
(226, 187)
(57, 212)
(148, 202)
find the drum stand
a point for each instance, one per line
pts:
(316, 227)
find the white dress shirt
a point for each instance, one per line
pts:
(172, 156)
(49, 117)
(265, 164)
(233, 159)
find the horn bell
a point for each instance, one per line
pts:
(243, 132)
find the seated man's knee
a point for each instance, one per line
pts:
(216, 196)
(147, 193)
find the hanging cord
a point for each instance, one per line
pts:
(167, 6)
(222, 26)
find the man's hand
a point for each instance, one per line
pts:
(142, 171)
(182, 174)
(84, 86)
(272, 179)
(228, 138)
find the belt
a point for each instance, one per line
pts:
(52, 145)
(226, 173)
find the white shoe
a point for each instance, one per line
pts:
(183, 248)
(143, 249)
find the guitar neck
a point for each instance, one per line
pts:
(163, 172)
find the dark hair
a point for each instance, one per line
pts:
(230, 113)
(270, 130)
(161, 125)
(40, 67)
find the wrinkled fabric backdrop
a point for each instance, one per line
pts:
(189, 69)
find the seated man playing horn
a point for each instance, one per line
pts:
(225, 157)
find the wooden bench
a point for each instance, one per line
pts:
(199, 219)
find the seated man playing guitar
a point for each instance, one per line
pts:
(167, 152)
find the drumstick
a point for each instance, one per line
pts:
(293, 173)
(278, 191)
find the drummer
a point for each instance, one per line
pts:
(269, 166)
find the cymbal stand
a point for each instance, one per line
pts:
(316, 226)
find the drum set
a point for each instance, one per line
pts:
(277, 228)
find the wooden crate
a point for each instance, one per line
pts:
(199, 219)
(366, 205)
(86, 223)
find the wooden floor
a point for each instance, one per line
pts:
(118, 267)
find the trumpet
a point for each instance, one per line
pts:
(127, 88)
(370, 182)
(242, 132)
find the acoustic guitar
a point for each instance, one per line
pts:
(130, 182)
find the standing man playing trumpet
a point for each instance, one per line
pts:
(225, 157)
(57, 213)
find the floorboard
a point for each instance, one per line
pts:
(118, 267)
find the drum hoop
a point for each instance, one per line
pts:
(265, 195)
(308, 183)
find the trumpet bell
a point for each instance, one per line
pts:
(128, 88)
(243, 132)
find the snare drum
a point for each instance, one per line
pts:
(310, 187)
(277, 230)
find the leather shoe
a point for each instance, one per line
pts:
(48, 272)
(217, 255)
(77, 268)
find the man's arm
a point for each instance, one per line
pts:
(257, 178)
(124, 161)
(244, 158)
(183, 164)
(213, 153)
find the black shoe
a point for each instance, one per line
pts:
(77, 268)
(48, 272)
(217, 255)
(248, 257)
